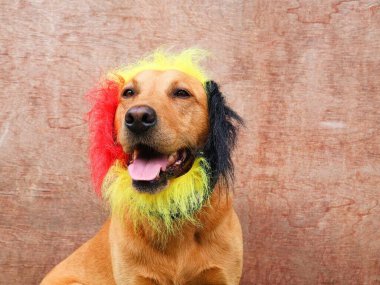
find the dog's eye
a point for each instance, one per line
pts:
(128, 93)
(181, 93)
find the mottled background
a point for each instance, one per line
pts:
(305, 75)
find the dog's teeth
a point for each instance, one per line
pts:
(172, 158)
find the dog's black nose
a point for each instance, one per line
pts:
(140, 118)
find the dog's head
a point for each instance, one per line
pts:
(163, 131)
(162, 123)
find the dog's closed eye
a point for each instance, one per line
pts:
(181, 93)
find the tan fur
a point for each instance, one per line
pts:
(119, 254)
(175, 127)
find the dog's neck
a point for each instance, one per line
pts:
(208, 218)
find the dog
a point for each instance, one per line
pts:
(161, 137)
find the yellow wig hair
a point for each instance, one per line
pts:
(186, 61)
(165, 210)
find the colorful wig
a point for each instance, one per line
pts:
(185, 194)
(104, 99)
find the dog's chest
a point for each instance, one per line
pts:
(178, 264)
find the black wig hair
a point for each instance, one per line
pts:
(222, 137)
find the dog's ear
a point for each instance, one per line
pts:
(221, 141)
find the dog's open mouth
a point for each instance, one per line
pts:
(150, 169)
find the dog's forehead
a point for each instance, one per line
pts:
(164, 79)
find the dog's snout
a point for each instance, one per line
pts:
(139, 119)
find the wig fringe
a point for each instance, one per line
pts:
(166, 210)
(103, 147)
(186, 61)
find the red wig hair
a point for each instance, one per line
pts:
(104, 149)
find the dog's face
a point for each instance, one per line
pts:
(161, 121)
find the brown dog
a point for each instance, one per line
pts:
(176, 136)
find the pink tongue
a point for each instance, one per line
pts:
(147, 169)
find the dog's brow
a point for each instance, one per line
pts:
(178, 84)
(133, 83)
(172, 85)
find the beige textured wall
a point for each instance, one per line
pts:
(305, 75)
